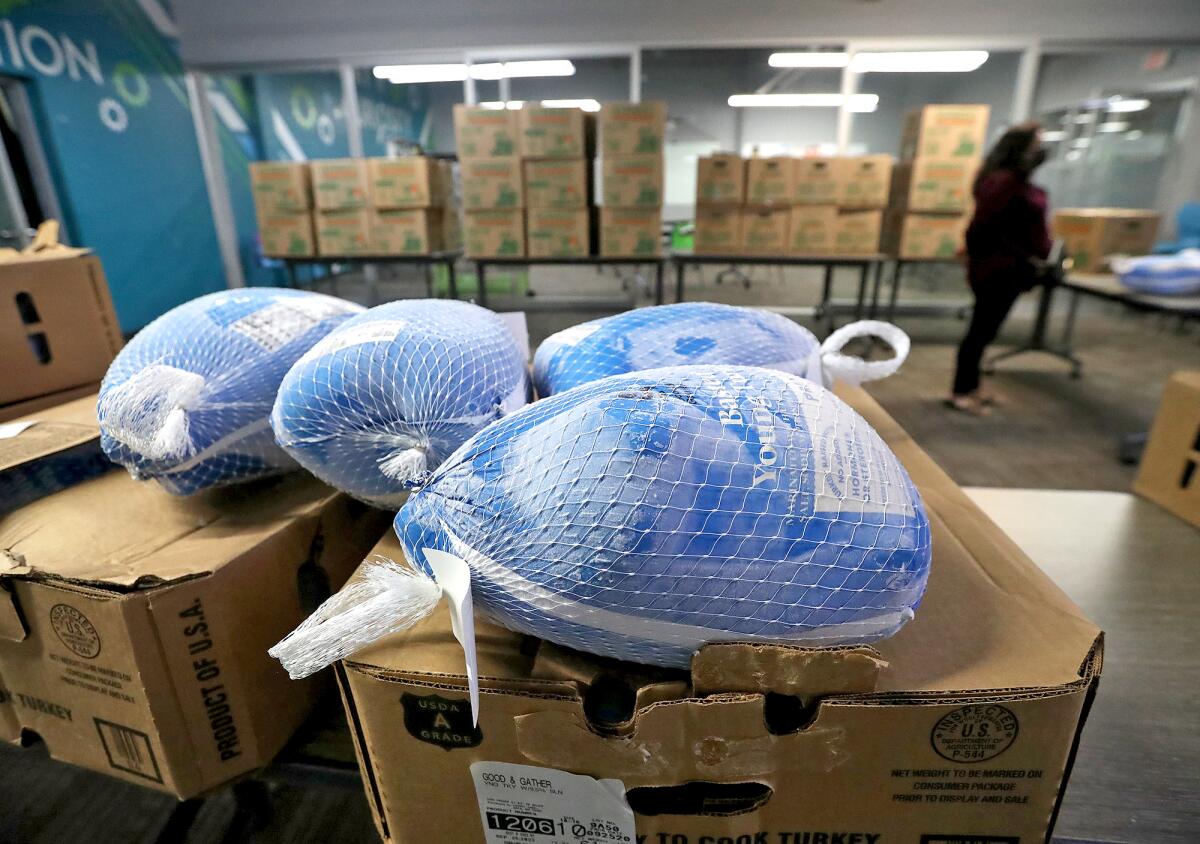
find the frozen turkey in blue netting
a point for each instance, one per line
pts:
(187, 401)
(1161, 275)
(388, 395)
(643, 515)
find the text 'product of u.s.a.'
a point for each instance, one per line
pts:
(641, 516)
(691, 333)
(387, 396)
(187, 401)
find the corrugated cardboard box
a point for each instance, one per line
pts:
(720, 179)
(945, 131)
(552, 132)
(287, 234)
(484, 132)
(857, 232)
(632, 128)
(406, 231)
(57, 325)
(812, 229)
(134, 643)
(409, 182)
(49, 450)
(491, 183)
(935, 184)
(864, 181)
(924, 235)
(340, 184)
(1091, 235)
(630, 232)
(766, 231)
(344, 233)
(280, 185)
(815, 181)
(557, 183)
(1169, 474)
(17, 409)
(558, 232)
(718, 230)
(770, 181)
(631, 181)
(959, 729)
(496, 233)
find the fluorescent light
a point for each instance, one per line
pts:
(1051, 136)
(809, 59)
(1074, 155)
(1120, 105)
(586, 104)
(857, 102)
(499, 105)
(1134, 135)
(1080, 143)
(934, 61)
(409, 73)
(513, 70)
(1086, 117)
(1113, 126)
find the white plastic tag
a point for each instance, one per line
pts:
(524, 803)
(12, 429)
(454, 577)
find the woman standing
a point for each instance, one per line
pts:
(1006, 241)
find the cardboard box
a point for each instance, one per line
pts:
(770, 181)
(632, 181)
(1091, 235)
(406, 231)
(935, 184)
(815, 181)
(857, 232)
(1169, 474)
(720, 179)
(945, 131)
(484, 132)
(924, 235)
(57, 325)
(413, 181)
(135, 642)
(718, 230)
(492, 183)
(766, 231)
(280, 185)
(344, 233)
(496, 233)
(557, 183)
(552, 132)
(630, 232)
(16, 410)
(812, 229)
(49, 450)
(961, 728)
(632, 128)
(558, 232)
(864, 181)
(340, 184)
(287, 234)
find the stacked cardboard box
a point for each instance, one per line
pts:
(1092, 235)
(282, 193)
(342, 197)
(492, 181)
(931, 191)
(412, 206)
(631, 175)
(786, 206)
(556, 149)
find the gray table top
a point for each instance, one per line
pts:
(1107, 286)
(1135, 570)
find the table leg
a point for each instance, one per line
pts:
(1068, 332)
(863, 272)
(481, 277)
(825, 312)
(894, 295)
(875, 289)
(452, 278)
(291, 273)
(658, 282)
(679, 270)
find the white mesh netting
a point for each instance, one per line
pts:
(385, 398)
(187, 401)
(702, 333)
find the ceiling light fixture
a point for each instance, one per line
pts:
(861, 103)
(1051, 136)
(809, 59)
(500, 105)
(1113, 126)
(585, 104)
(931, 61)
(1120, 105)
(402, 74)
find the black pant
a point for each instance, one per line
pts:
(993, 301)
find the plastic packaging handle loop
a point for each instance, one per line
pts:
(836, 366)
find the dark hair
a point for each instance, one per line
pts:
(1010, 152)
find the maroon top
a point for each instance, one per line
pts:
(1006, 231)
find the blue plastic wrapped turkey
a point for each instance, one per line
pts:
(690, 333)
(187, 401)
(1161, 275)
(643, 515)
(388, 395)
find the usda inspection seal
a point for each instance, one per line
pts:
(974, 733)
(75, 631)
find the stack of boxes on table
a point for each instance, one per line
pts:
(493, 190)
(350, 207)
(791, 206)
(556, 151)
(631, 178)
(941, 152)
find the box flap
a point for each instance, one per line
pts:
(70, 535)
(47, 432)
